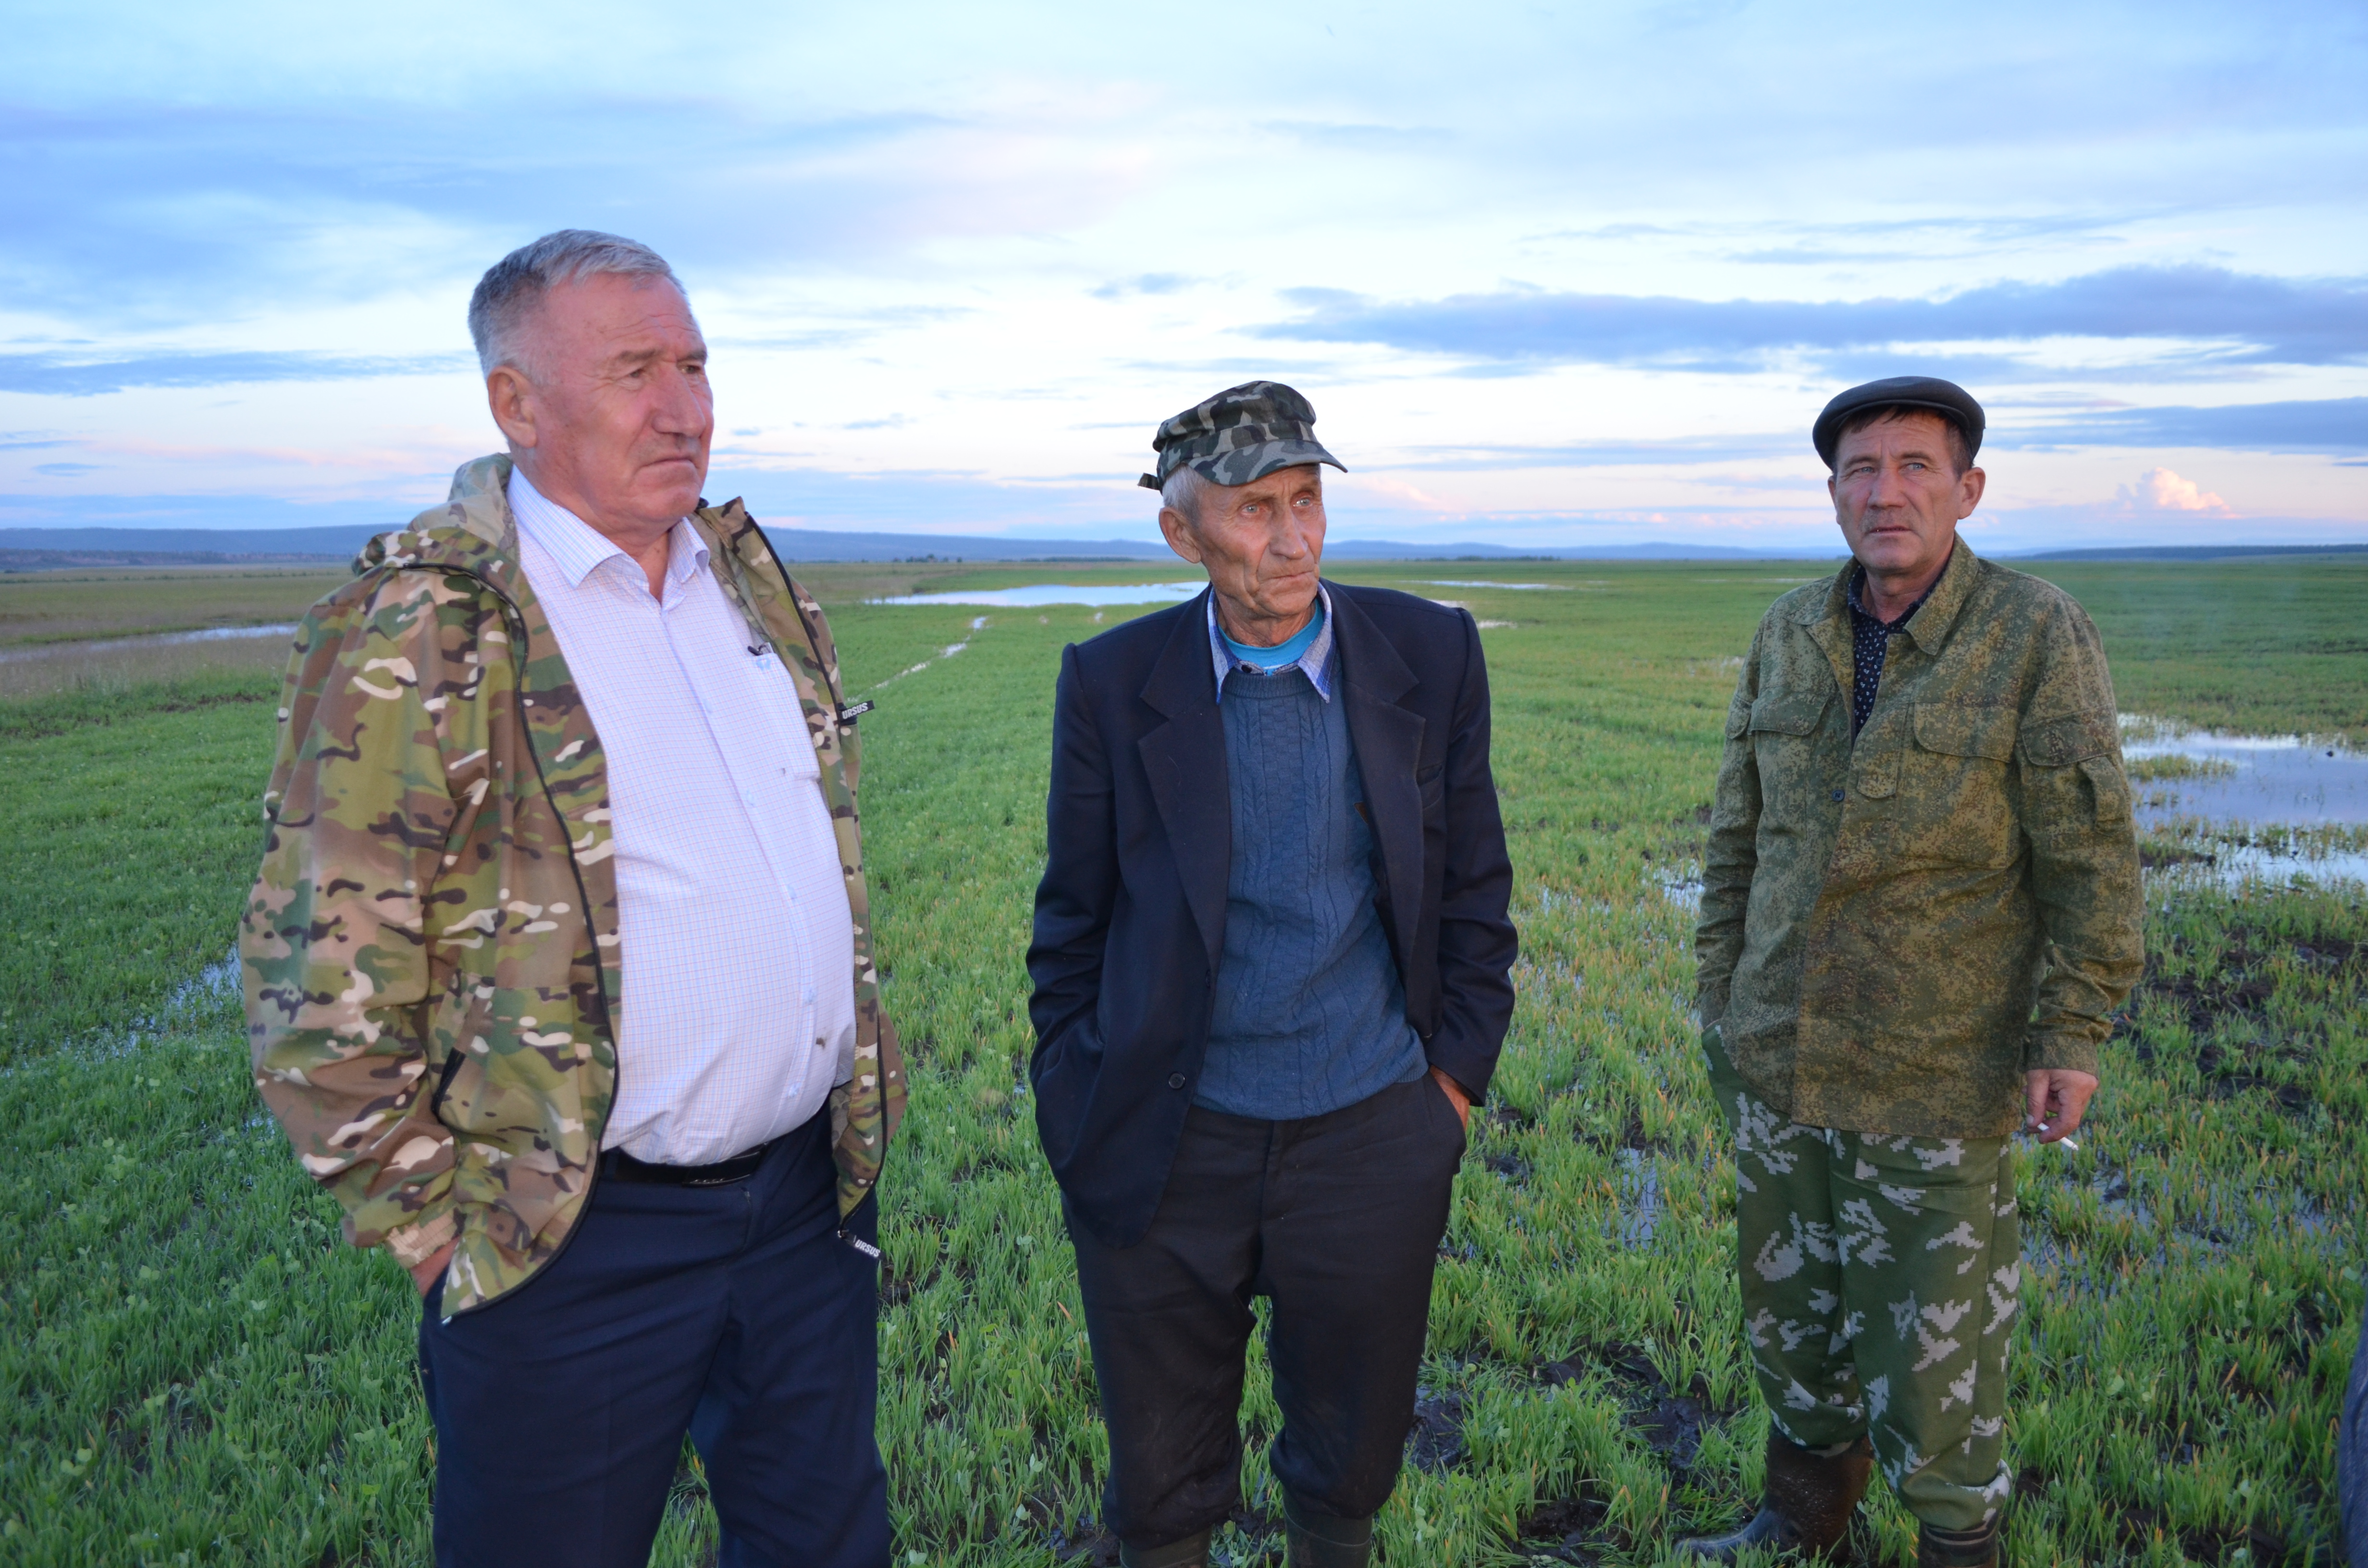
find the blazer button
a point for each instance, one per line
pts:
(1837, 795)
(1176, 1080)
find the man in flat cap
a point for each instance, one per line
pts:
(1270, 967)
(1920, 903)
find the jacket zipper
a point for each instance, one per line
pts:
(514, 620)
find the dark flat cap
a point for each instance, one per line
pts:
(1243, 433)
(1945, 398)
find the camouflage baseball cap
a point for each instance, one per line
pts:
(1243, 433)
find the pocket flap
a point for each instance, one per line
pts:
(1965, 731)
(1789, 713)
(2059, 742)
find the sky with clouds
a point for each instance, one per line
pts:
(1552, 275)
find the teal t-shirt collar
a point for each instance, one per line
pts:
(1283, 655)
(1312, 648)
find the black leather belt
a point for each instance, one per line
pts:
(617, 1166)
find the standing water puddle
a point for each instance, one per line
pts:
(2251, 781)
(38, 650)
(1037, 593)
(2250, 807)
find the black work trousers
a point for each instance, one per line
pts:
(1335, 1219)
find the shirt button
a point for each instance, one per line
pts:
(1837, 794)
(1176, 1080)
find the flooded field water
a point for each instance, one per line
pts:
(2249, 780)
(43, 667)
(1034, 595)
(2238, 808)
(39, 652)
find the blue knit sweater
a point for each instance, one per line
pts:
(1310, 1013)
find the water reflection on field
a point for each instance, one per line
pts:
(2250, 780)
(38, 652)
(2236, 809)
(1039, 594)
(44, 667)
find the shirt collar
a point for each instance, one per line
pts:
(1316, 662)
(1858, 578)
(579, 548)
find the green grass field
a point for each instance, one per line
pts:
(194, 1370)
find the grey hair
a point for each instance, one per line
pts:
(511, 288)
(1183, 492)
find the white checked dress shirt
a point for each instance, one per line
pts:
(738, 1012)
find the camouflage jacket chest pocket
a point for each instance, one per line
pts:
(1783, 725)
(1951, 772)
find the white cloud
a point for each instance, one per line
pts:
(2160, 490)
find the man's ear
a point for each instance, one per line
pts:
(511, 398)
(1970, 485)
(1178, 532)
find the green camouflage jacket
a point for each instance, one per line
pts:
(1893, 932)
(432, 951)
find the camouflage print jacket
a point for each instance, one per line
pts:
(431, 947)
(1893, 932)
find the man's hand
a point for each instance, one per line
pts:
(431, 1268)
(1462, 1102)
(2056, 1098)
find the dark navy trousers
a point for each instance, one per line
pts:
(735, 1314)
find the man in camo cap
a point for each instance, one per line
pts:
(1270, 968)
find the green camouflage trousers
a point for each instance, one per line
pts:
(1881, 1276)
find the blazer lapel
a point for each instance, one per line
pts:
(1185, 759)
(1388, 741)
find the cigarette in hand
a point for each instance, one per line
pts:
(2068, 1141)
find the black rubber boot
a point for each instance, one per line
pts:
(1320, 1541)
(1975, 1548)
(1193, 1552)
(1806, 1507)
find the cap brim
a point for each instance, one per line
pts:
(1245, 464)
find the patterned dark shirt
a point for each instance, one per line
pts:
(1870, 644)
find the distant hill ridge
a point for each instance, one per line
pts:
(40, 549)
(46, 549)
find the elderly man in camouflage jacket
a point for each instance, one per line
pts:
(558, 968)
(1920, 902)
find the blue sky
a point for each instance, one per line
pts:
(1552, 275)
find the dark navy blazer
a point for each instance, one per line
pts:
(1131, 915)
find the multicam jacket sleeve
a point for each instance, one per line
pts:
(362, 806)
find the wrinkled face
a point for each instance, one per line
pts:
(1897, 497)
(618, 414)
(1261, 543)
